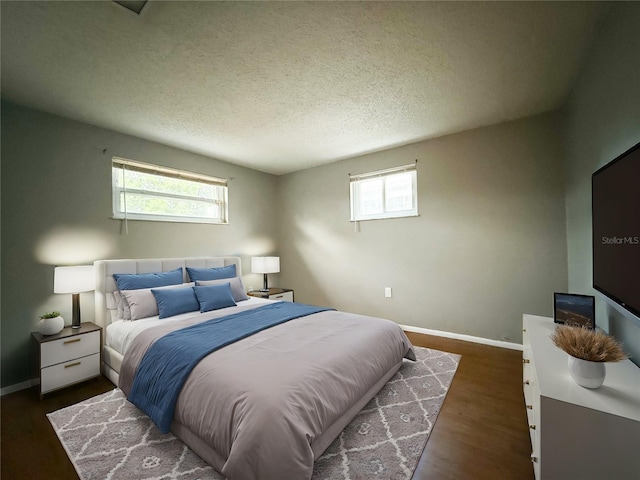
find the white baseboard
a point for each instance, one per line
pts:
(19, 386)
(460, 336)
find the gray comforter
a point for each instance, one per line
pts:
(256, 409)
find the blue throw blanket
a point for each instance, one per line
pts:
(168, 362)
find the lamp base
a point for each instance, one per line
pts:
(75, 307)
(265, 286)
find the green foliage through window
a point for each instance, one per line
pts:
(148, 192)
(384, 194)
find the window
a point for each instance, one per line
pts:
(384, 194)
(148, 192)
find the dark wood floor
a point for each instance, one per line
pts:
(481, 432)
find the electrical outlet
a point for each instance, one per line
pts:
(387, 292)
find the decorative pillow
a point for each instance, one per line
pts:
(214, 297)
(173, 301)
(215, 273)
(237, 287)
(142, 303)
(136, 281)
(117, 296)
(124, 312)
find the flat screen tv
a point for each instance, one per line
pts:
(616, 230)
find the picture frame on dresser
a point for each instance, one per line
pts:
(574, 309)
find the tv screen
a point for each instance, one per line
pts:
(616, 230)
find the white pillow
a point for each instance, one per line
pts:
(142, 303)
(124, 312)
(117, 298)
(237, 287)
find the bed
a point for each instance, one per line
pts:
(266, 406)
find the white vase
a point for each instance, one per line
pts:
(51, 326)
(587, 374)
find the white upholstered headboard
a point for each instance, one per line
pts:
(106, 308)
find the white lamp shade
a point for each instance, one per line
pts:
(74, 279)
(265, 264)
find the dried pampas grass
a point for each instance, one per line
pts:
(587, 344)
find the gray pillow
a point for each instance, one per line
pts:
(142, 303)
(237, 287)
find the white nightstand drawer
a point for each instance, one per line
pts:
(69, 372)
(68, 348)
(285, 296)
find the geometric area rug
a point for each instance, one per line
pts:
(106, 437)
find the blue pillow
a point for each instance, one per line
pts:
(174, 301)
(136, 281)
(214, 297)
(215, 273)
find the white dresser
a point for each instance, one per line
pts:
(69, 357)
(578, 433)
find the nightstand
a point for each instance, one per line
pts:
(284, 294)
(69, 357)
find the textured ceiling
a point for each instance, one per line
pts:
(281, 87)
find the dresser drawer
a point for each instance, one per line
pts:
(66, 373)
(285, 296)
(64, 349)
(532, 400)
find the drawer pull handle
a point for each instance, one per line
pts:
(72, 341)
(530, 407)
(73, 365)
(279, 296)
(526, 382)
(532, 427)
(526, 360)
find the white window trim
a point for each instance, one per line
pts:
(356, 216)
(120, 211)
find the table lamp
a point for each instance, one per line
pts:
(74, 280)
(265, 265)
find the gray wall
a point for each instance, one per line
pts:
(56, 204)
(488, 246)
(603, 121)
(490, 242)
